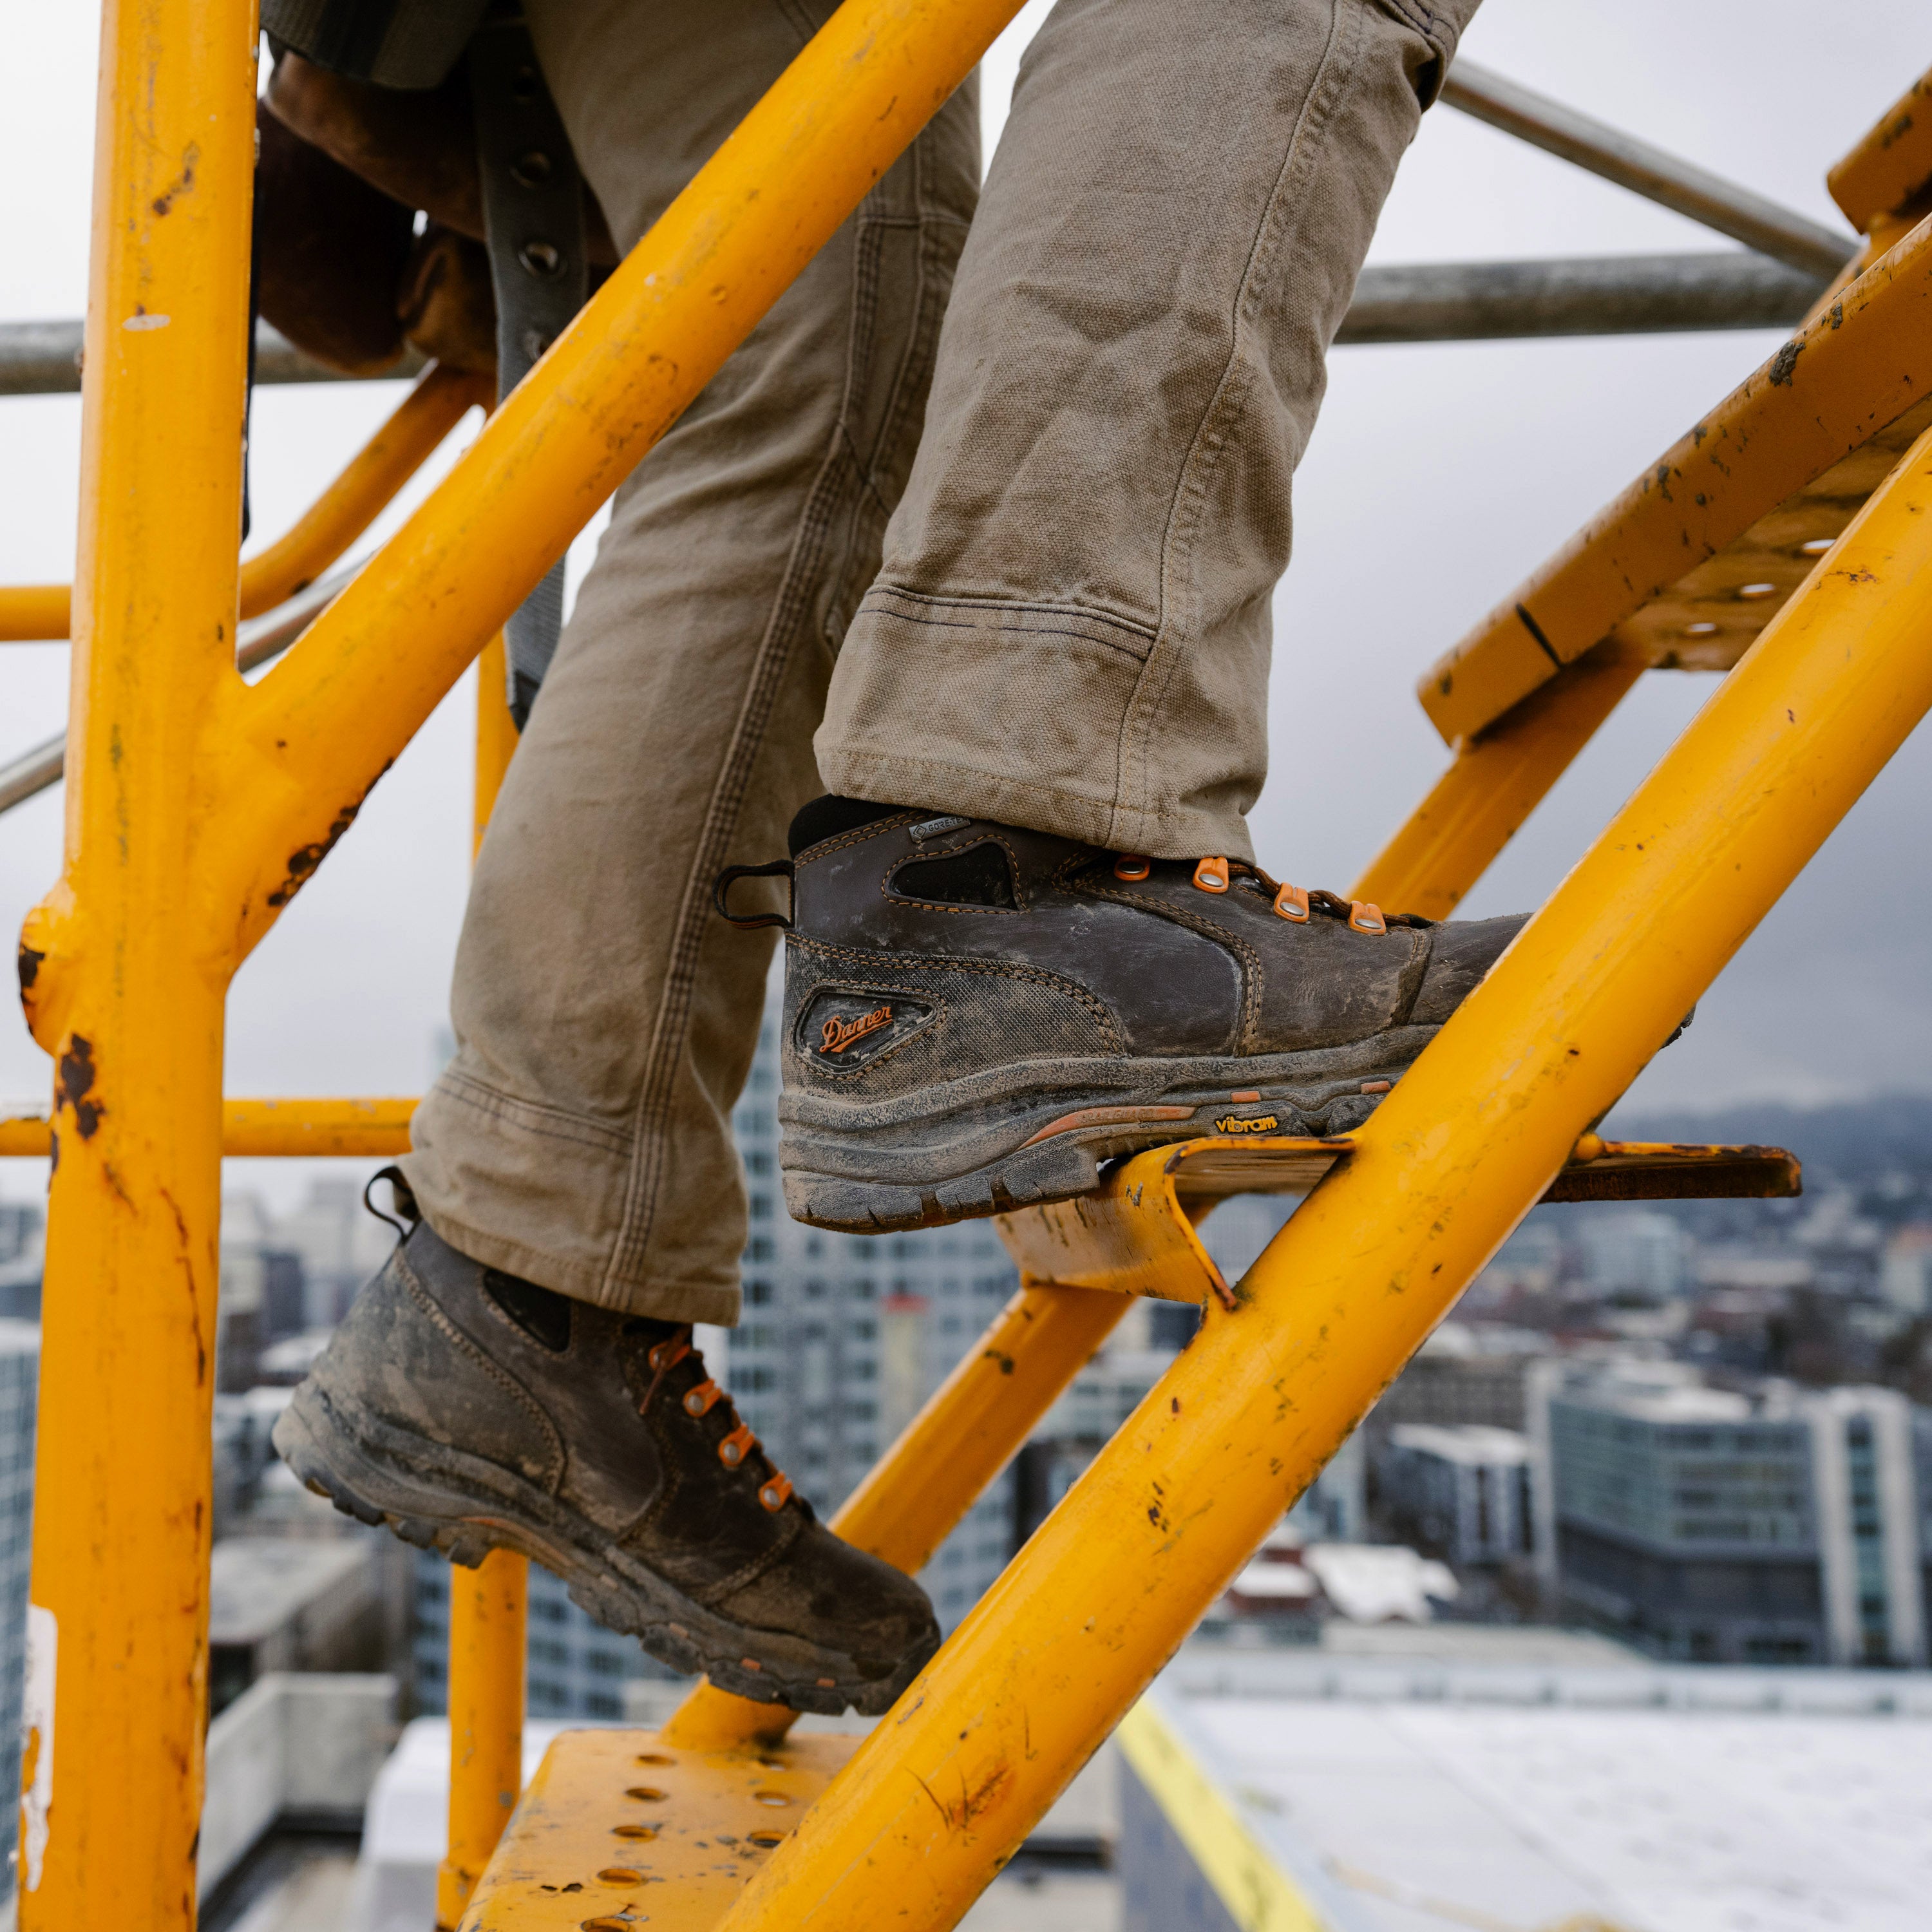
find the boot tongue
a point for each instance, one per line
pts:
(830, 817)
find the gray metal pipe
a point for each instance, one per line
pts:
(1611, 295)
(43, 359)
(1657, 176)
(255, 642)
(1434, 301)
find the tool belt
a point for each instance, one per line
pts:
(483, 155)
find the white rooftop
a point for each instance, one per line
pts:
(1471, 1442)
(1398, 1808)
(1376, 1583)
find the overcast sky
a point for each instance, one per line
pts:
(1439, 477)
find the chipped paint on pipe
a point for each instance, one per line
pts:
(121, 1514)
(1498, 778)
(947, 1787)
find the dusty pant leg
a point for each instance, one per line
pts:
(606, 1016)
(1070, 630)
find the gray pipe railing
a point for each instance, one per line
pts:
(1436, 301)
(1607, 295)
(1679, 185)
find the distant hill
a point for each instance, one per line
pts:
(1891, 1132)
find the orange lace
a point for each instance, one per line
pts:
(1219, 873)
(735, 1449)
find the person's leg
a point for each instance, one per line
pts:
(520, 1374)
(1070, 630)
(605, 1018)
(1008, 965)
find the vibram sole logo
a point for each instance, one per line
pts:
(1234, 1123)
(836, 1035)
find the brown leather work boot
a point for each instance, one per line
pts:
(471, 1410)
(976, 1016)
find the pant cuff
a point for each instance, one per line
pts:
(1018, 711)
(540, 1194)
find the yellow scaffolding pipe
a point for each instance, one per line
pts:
(117, 1700)
(489, 1605)
(39, 612)
(314, 1128)
(945, 1791)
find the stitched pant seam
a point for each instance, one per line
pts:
(1312, 125)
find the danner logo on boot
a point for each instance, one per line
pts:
(836, 1035)
(844, 1028)
(1233, 1123)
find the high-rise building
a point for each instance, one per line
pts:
(844, 1336)
(1463, 1491)
(1633, 1251)
(20, 1382)
(1713, 1526)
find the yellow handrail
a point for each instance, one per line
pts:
(295, 1126)
(31, 613)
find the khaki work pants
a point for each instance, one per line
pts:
(1018, 567)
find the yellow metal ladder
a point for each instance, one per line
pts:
(1790, 536)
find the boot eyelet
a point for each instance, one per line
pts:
(1211, 875)
(731, 1454)
(1131, 868)
(775, 1492)
(1363, 917)
(1292, 903)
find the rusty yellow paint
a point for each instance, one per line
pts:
(1669, 565)
(920, 1489)
(351, 503)
(122, 1518)
(488, 1618)
(1498, 778)
(1888, 176)
(198, 804)
(621, 1829)
(1136, 1234)
(1060, 1647)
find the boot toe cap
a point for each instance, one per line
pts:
(828, 1594)
(1461, 952)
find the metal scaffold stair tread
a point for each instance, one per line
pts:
(1136, 1234)
(619, 1829)
(1688, 565)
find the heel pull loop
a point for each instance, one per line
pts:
(779, 869)
(400, 1197)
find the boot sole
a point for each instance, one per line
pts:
(1038, 1132)
(373, 1471)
